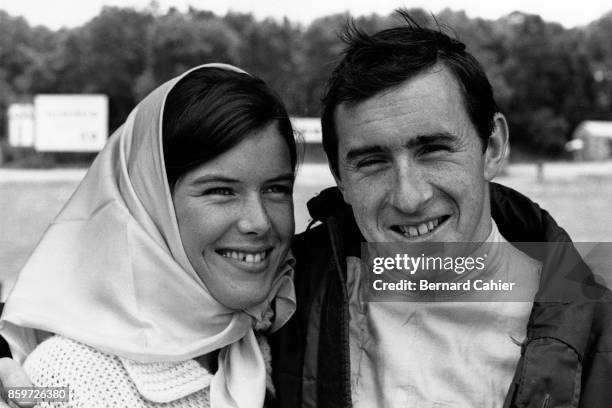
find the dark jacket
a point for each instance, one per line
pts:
(566, 360)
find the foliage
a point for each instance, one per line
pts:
(546, 78)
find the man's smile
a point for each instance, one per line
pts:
(421, 228)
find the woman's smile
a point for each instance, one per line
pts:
(252, 260)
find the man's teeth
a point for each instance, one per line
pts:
(422, 228)
(245, 256)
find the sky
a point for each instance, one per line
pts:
(70, 13)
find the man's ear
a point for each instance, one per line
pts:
(497, 147)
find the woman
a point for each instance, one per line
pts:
(170, 254)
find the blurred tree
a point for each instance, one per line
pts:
(15, 44)
(322, 48)
(272, 51)
(179, 41)
(596, 45)
(118, 57)
(546, 78)
(103, 56)
(22, 49)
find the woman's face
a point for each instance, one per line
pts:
(235, 217)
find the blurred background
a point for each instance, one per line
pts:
(70, 72)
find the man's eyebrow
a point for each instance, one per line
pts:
(441, 137)
(357, 152)
(432, 138)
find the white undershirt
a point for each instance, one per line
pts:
(442, 354)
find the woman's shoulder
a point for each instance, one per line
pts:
(68, 357)
(93, 378)
(98, 379)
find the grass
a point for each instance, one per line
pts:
(578, 196)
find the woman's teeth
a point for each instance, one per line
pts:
(245, 256)
(418, 230)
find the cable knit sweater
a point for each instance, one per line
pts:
(96, 379)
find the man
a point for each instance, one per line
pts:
(414, 137)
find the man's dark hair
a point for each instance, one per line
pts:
(375, 63)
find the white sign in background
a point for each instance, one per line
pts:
(70, 123)
(309, 128)
(21, 124)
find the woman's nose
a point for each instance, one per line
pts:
(254, 218)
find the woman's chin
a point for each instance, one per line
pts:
(243, 300)
(241, 294)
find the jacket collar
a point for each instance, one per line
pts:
(564, 274)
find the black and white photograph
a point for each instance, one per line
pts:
(305, 204)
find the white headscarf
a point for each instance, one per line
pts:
(111, 272)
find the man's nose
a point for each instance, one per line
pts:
(411, 191)
(254, 218)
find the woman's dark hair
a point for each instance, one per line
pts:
(210, 111)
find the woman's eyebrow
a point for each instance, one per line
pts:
(214, 178)
(218, 178)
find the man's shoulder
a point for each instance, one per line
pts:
(312, 240)
(313, 253)
(520, 219)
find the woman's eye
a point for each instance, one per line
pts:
(218, 191)
(280, 189)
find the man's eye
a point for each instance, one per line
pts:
(370, 161)
(434, 149)
(218, 191)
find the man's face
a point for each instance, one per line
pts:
(412, 166)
